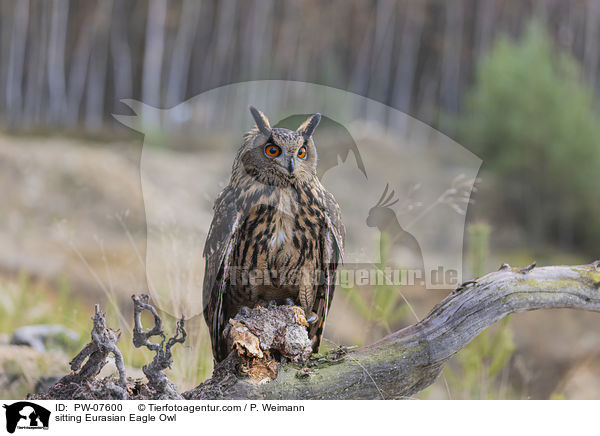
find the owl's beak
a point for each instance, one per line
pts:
(291, 165)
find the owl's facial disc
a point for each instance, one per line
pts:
(280, 156)
(287, 149)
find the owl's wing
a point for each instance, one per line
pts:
(219, 244)
(335, 224)
(332, 253)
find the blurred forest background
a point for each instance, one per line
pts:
(514, 81)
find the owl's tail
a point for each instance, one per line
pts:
(315, 332)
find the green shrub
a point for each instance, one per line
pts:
(536, 126)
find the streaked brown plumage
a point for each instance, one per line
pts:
(276, 235)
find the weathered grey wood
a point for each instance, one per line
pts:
(407, 361)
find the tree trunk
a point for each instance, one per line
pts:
(154, 52)
(57, 85)
(96, 86)
(182, 53)
(16, 60)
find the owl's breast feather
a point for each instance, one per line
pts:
(278, 238)
(282, 219)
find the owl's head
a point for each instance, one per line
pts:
(279, 156)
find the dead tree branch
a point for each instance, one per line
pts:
(405, 362)
(163, 358)
(104, 342)
(84, 385)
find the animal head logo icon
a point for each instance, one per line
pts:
(25, 414)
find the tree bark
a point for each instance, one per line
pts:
(407, 361)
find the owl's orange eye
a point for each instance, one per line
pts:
(272, 150)
(302, 152)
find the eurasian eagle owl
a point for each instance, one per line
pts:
(276, 236)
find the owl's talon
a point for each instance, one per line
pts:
(245, 311)
(312, 317)
(288, 302)
(272, 304)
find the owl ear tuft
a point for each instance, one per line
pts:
(261, 121)
(307, 128)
